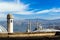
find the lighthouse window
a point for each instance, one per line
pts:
(11, 20)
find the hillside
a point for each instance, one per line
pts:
(21, 25)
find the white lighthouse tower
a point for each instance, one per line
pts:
(10, 23)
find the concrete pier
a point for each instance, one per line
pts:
(25, 34)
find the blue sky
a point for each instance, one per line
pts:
(30, 9)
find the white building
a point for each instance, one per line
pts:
(10, 23)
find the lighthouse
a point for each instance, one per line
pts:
(10, 23)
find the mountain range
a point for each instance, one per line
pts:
(21, 25)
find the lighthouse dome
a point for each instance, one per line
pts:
(9, 16)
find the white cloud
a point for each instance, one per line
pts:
(55, 10)
(5, 6)
(43, 11)
(24, 12)
(49, 11)
(2, 16)
(21, 8)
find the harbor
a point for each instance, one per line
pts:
(38, 33)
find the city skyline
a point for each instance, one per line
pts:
(30, 9)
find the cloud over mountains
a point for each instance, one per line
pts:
(22, 9)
